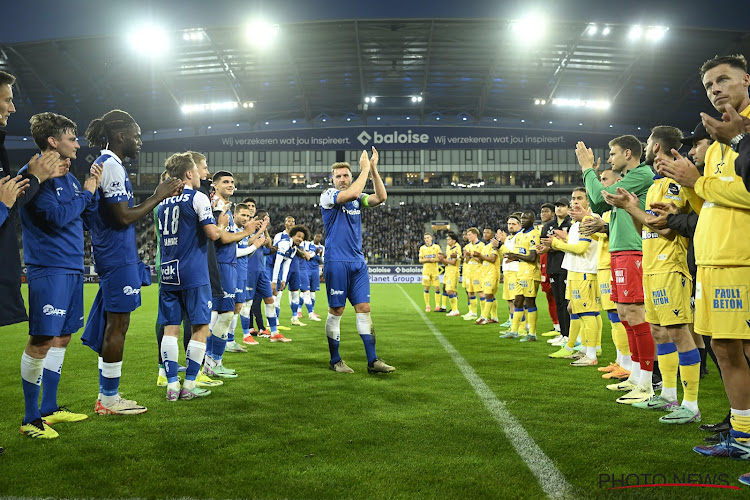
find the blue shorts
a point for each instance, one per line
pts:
(121, 288)
(258, 286)
(195, 302)
(315, 279)
(240, 294)
(56, 305)
(304, 280)
(346, 280)
(228, 275)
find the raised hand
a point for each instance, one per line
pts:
(93, 181)
(586, 157)
(730, 126)
(45, 166)
(11, 189)
(364, 161)
(374, 159)
(680, 169)
(170, 187)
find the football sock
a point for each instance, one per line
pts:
(308, 301)
(517, 319)
(619, 335)
(219, 335)
(668, 362)
(31, 374)
(532, 316)
(232, 328)
(493, 311)
(245, 313)
(427, 299)
(294, 298)
(599, 324)
(690, 374)
(645, 342)
(51, 379)
(312, 299)
(444, 301)
(111, 373)
(437, 300)
(333, 333)
(170, 352)
(740, 421)
(271, 317)
(454, 302)
(631, 343)
(195, 353)
(365, 330)
(575, 330)
(473, 305)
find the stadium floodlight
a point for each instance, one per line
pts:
(656, 33)
(635, 33)
(416, 98)
(533, 27)
(248, 104)
(261, 33)
(592, 30)
(149, 39)
(370, 99)
(606, 31)
(580, 103)
(214, 106)
(294, 121)
(195, 35)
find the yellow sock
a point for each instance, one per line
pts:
(517, 316)
(437, 300)
(427, 299)
(598, 331)
(444, 301)
(620, 338)
(575, 329)
(668, 363)
(493, 312)
(486, 309)
(691, 377)
(741, 423)
(454, 303)
(588, 331)
(531, 317)
(473, 305)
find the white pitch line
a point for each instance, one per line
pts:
(549, 476)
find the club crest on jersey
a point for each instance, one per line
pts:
(674, 189)
(210, 304)
(355, 203)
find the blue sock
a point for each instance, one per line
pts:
(50, 381)
(278, 311)
(313, 303)
(31, 401)
(295, 308)
(272, 322)
(333, 348)
(210, 345)
(172, 369)
(219, 345)
(245, 324)
(110, 386)
(369, 341)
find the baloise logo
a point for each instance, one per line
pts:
(393, 138)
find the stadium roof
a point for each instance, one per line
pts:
(320, 71)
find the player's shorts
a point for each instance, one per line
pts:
(604, 279)
(509, 285)
(346, 280)
(668, 298)
(228, 274)
(490, 283)
(473, 277)
(121, 288)
(194, 302)
(464, 277)
(314, 279)
(304, 280)
(258, 286)
(240, 293)
(583, 292)
(56, 305)
(627, 277)
(431, 279)
(293, 279)
(527, 286)
(722, 303)
(450, 278)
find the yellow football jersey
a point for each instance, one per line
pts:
(471, 248)
(526, 241)
(660, 254)
(488, 266)
(429, 252)
(603, 257)
(453, 252)
(726, 211)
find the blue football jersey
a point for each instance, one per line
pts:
(227, 254)
(343, 224)
(183, 240)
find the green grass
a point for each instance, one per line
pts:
(290, 428)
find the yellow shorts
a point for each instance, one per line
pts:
(431, 279)
(583, 291)
(667, 298)
(722, 304)
(474, 279)
(528, 287)
(509, 285)
(490, 283)
(450, 279)
(604, 279)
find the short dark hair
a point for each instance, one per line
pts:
(580, 189)
(7, 78)
(240, 206)
(260, 214)
(250, 200)
(297, 228)
(630, 142)
(179, 163)
(669, 138)
(221, 173)
(101, 131)
(452, 235)
(735, 61)
(45, 125)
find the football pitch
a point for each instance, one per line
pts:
(466, 415)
